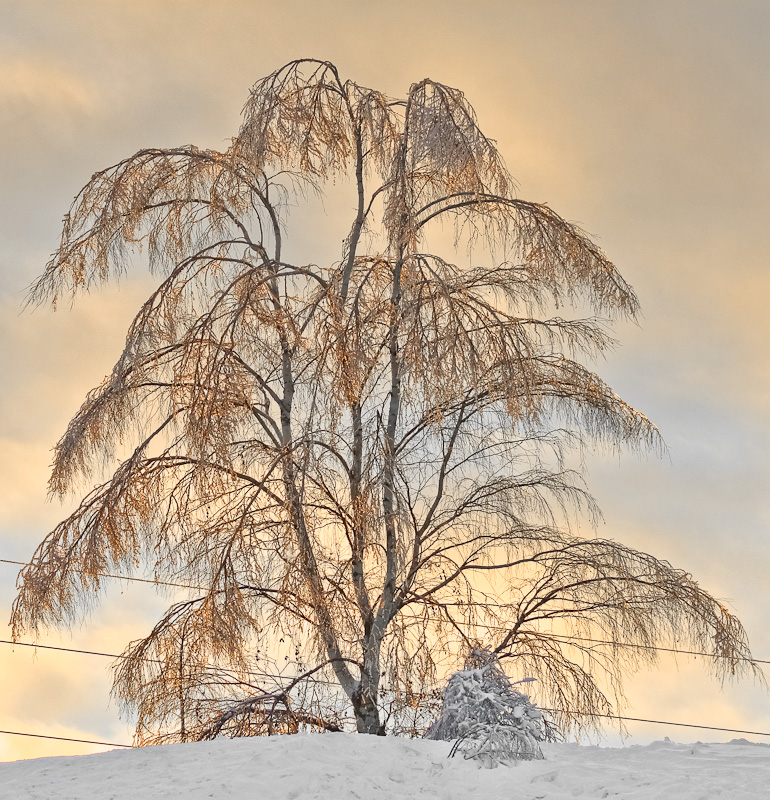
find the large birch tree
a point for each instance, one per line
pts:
(368, 456)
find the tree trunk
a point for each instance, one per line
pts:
(366, 693)
(367, 714)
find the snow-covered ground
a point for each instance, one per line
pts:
(344, 767)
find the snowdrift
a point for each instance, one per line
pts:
(345, 766)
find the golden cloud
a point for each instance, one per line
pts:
(28, 86)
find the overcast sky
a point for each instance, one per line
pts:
(645, 121)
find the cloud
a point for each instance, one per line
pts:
(56, 693)
(34, 89)
(45, 107)
(21, 466)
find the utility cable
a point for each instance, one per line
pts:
(63, 649)
(123, 577)
(64, 738)
(331, 683)
(489, 627)
(562, 637)
(660, 722)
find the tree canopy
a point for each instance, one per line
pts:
(370, 457)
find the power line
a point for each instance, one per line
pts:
(122, 577)
(63, 649)
(331, 683)
(562, 637)
(586, 714)
(568, 639)
(64, 738)
(488, 627)
(662, 722)
(277, 676)
(250, 673)
(272, 675)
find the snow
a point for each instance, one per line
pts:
(341, 766)
(489, 719)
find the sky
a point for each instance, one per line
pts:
(646, 122)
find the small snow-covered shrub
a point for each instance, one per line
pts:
(487, 717)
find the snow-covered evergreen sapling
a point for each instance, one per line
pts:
(487, 717)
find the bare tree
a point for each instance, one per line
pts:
(369, 456)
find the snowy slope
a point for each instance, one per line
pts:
(344, 767)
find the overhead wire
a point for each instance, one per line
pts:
(486, 626)
(608, 716)
(123, 577)
(331, 683)
(64, 738)
(665, 722)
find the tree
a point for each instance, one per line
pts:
(488, 718)
(368, 457)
